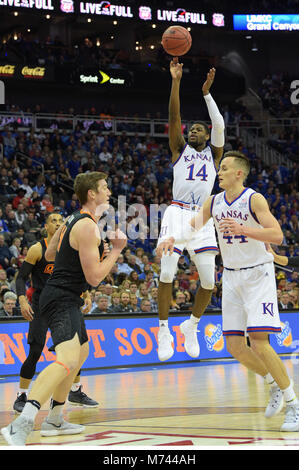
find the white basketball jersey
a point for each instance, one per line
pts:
(194, 175)
(238, 251)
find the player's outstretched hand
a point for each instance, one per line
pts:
(209, 81)
(165, 247)
(176, 69)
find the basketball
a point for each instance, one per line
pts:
(176, 40)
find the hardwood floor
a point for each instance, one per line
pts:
(220, 404)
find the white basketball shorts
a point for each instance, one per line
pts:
(249, 301)
(175, 219)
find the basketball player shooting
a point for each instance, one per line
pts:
(194, 173)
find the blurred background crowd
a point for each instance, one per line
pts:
(138, 168)
(38, 164)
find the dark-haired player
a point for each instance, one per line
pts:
(194, 172)
(39, 269)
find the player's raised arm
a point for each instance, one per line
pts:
(217, 133)
(176, 139)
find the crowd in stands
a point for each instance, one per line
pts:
(138, 168)
(276, 93)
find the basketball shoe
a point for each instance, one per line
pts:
(165, 340)
(189, 330)
(61, 428)
(291, 420)
(16, 433)
(20, 402)
(79, 398)
(275, 402)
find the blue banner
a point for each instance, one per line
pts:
(126, 341)
(266, 22)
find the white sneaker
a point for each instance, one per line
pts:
(291, 420)
(275, 402)
(189, 330)
(165, 340)
(64, 427)
(17, 432)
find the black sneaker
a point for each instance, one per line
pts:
(20, 402)
(80, 398)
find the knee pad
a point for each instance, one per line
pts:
(169, 266)
(205, 265)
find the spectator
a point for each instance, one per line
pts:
(125, 302)
(20, 214)
(3, 279)
(31, 227)
(123, 267)
(5, 254)
(3, 226)
(134, 302)
(133, 264)
(293, 298)
(180, 301)
(108, 292)
(154, 299)
(11, 223)
(15, 248)
(115, 303)
(145, 306)
(9, 303)
(102, 305)
(284, 302)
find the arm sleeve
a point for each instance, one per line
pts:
(217, 133)
(23, 275)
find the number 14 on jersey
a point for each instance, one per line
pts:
(202, 173)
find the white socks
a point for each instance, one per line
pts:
(288, 393)
(194, 320)
(269, 379)
(75, 387)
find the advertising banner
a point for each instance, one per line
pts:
(100, 78)
(26, 72)
(266, 22)
(130, 341)
(105, 9)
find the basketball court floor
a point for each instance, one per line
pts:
(191, 406)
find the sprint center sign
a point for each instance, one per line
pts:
(101, 78)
